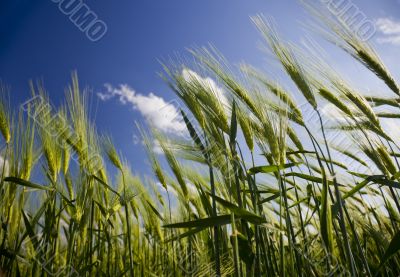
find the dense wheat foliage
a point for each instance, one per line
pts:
(255, 187)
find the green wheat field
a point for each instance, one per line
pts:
(252, 190)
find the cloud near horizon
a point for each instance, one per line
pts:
(163, 115)
(390, 30)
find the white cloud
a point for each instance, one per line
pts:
(160, 186)
(157, 147)
(104, 96)
(172, 190)
(192, 189)
(162, 115)
(388, 26)
(135, 139)
(390, 30)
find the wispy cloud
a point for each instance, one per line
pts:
(390, 30)
(157, 147)
(162, 115)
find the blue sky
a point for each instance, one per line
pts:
(38, 41)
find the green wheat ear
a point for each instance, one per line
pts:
(172, 162)
(112, 153)
(246, 126)
(342, 34)
(4, 116)
(329, 96)
(285, 54)
(275, 89)
(155, 164)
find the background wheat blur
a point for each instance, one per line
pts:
(253, 190)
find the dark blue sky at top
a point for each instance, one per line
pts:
(37, 41)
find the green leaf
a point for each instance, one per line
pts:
(35, 220)
(205, 200)
(396, 176)
(307, 177)
(258, 191)
(389, 183)
(361, 185)
(246, 253)
(103, 210)
(358, 174)
(233, 131)
(155, 211)
(299, 152)
(299, 202)
(326, 217)
(25, 183)
(65, 198)
(203, 222)
(240, 212)
(388, 115)
(193, 133)
(270, 198)
(392, 249)
(105, 185)
(31, 233)
(191, 232)
(270, 168)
